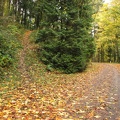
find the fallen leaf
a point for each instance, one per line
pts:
(91, 114)
(97, 116)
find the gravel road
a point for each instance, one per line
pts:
(102, 99)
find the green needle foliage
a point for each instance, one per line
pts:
(65, 34)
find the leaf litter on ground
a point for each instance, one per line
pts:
(46, 95)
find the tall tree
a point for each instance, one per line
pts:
(108, 34)
(1, 7)
(6, 8)
(65, 32)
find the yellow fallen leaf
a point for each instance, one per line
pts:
(57, 118)
(81, 111)
(91, 114)
(9, 119)
(97, 116)
(1, 114)
(43, 99)
(61, 103)
(101, 100)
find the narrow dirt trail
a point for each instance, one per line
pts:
(22, 62)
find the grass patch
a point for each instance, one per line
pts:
(9, 76)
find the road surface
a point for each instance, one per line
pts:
(101, 100)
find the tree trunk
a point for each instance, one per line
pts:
(1, 7)
(6, 8)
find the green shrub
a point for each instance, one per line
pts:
(14, 30)
(8, 46)
(63, 56)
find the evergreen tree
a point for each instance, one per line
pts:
(65, 34)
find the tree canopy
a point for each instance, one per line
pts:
(65, 33)
(66, 30)
(108, 33)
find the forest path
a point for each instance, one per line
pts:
(102, 99)
(22, 56)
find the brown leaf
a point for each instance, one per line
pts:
(91, 114)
